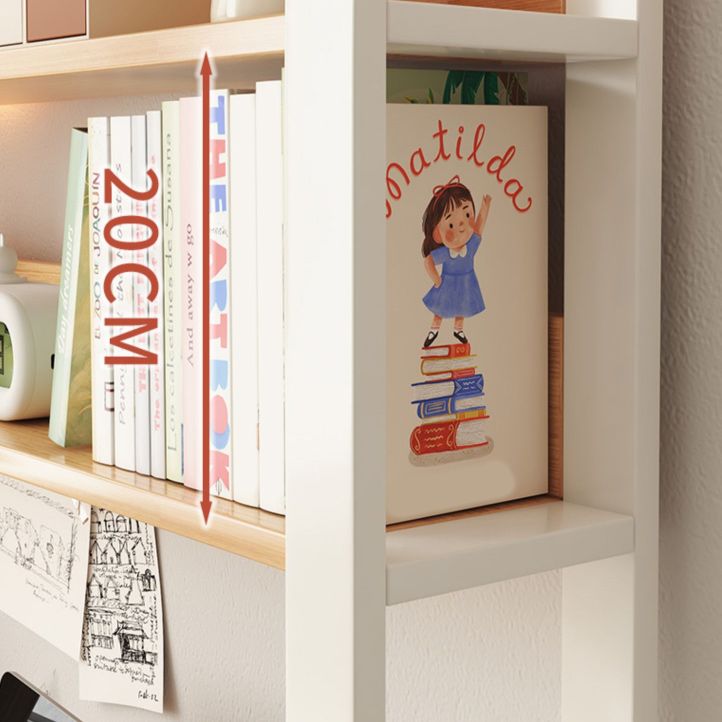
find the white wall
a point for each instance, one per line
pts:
(691, 431)
(484, 655)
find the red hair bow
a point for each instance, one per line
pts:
(455, 181)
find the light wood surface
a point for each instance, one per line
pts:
(556, 405)
(39, 271)
(27, 454)
(162, 61)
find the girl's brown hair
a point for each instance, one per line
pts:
(447, 197)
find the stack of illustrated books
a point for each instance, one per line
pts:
(450, 403)
(466, 264)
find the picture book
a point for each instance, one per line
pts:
(172, 276)
(191, 189)
(220, 299)
(156, 341)
(466, 214)
(70, 407)
(101, 258)
(122, 287)
(271, 301)
(141, 290)
(244, 312)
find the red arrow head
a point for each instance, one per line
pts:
(206, 67)
(206, 507)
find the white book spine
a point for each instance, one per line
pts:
(244, 306)
(122, 286)
(100, 262)
(270, 260)
(156, 306)
(141, 289)
(172, 268)
(221, 425)
(191, 129)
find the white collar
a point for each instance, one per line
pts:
(458, 254)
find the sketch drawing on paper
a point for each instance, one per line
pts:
(122, 651)
(37, 549)
(43, 551)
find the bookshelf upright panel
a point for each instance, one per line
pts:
(335, 369)
(612, 327)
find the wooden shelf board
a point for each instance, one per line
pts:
(27, 454)
(479, 548)
(437, 30)
(159, 62)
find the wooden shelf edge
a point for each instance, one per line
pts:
(241, 530)
(236, 39)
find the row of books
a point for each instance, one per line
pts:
(137, 266)
(444, 449)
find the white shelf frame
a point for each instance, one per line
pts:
(607, 547)
(423, 561)
(342, 566)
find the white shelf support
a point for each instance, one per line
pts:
(612, 333)
(335, 363)
(423, 561)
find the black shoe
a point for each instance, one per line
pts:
(430, 338)
(460, 337)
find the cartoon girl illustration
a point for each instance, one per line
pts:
(452, 236)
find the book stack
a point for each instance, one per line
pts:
(450, 403)
(138, 268)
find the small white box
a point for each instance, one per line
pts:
(11, 22)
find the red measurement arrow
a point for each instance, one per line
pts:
(206, 75)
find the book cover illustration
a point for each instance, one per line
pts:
(466, 217)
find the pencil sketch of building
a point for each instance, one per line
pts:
(37, 548)
(122, 618)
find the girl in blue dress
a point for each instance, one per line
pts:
(452, 235)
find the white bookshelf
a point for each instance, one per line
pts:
(342, 566)
(604, 534)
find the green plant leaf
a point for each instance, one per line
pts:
(491, 89)
(470, 86)
(454, 79)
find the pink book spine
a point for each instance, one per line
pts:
(191, 128)
(221, 465)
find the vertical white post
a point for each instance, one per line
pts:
(335, 361)
(612, 309)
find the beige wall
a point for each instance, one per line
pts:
(691, 430)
